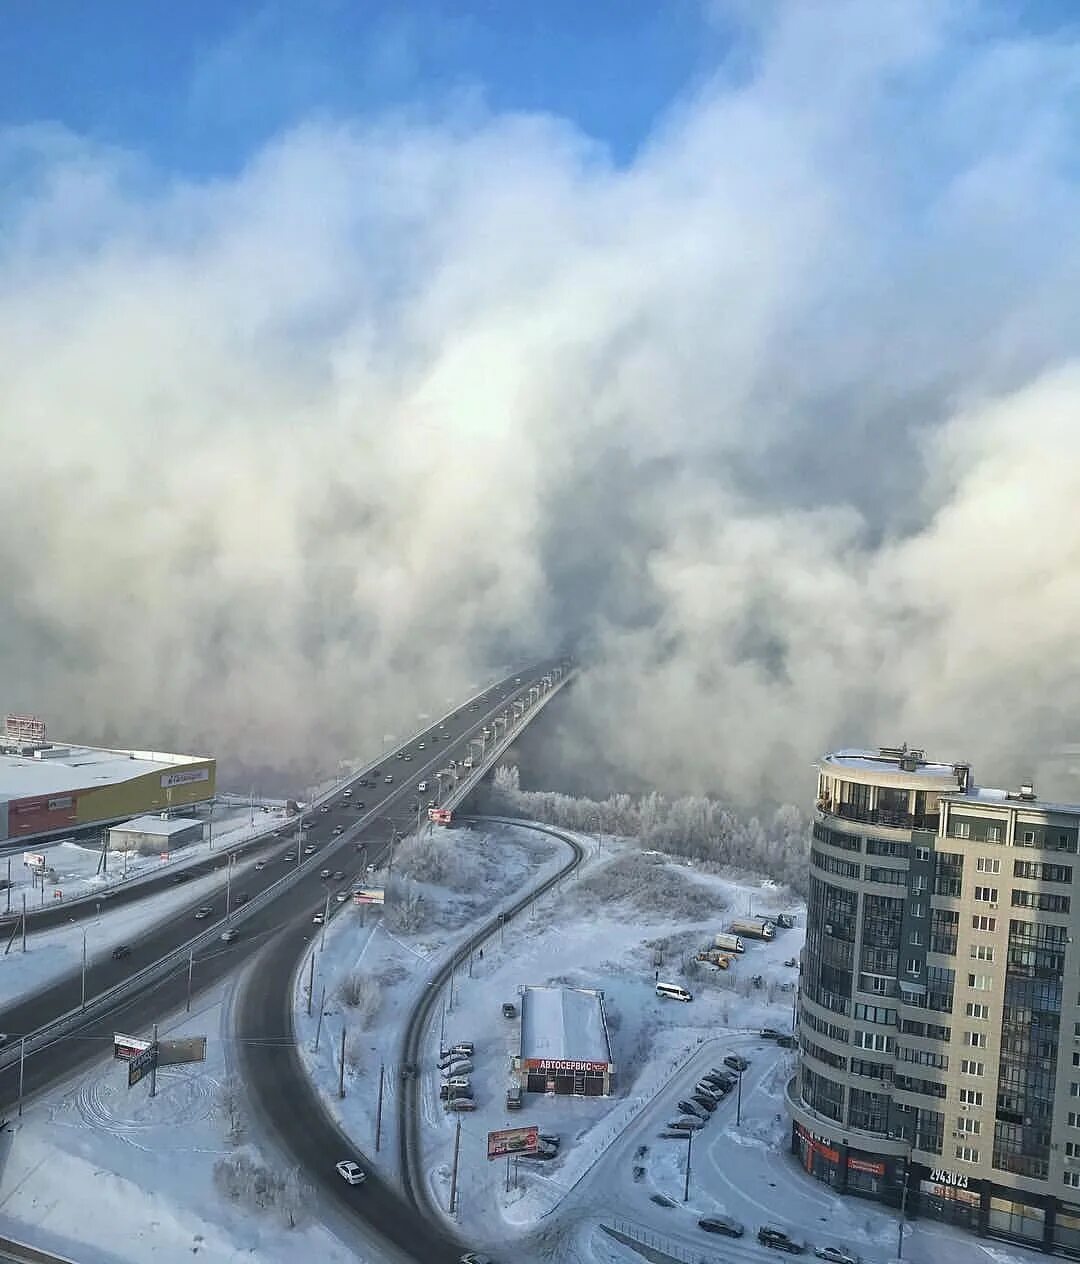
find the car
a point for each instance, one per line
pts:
(769, 1033)
(323, 811)
(318, 918)
(275, 834)
(348, 794)
(260, 865)
(551, 1139)
(836, 1255)
(230, 936)
(180, 877)
(459, 1081)
(779, 1240)
(309, 849)
(727, 1225)
(290, 855)
(401, 754)
(448, 1094)
(465, 1047)
(688, 1123)
(324, 874)
(341, 897)
(543, 1152)
(692, 1108)
(241, 897)
(422, 787)
(120, 951)
(515, 1099)
(388, 779)
(722, 1077)
(406, 758)
(202, 913)
(339, 829)
(509, 1010)
(786, 1042)
(461, 1103)
(359, 805)
(350, 1172)
(461, 1066)
(419, 745)
(339, 874)
(736, 1061)
(706, 1089)
(706, 1100)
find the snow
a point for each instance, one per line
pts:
(108, 1175)
(563, 1023)
(52, 954)
(155, 825)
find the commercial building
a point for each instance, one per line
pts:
(55, 790)
(152, 833)
(939, 1004)
(564, 1042)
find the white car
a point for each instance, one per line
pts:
(351, 1172)
(421, 787)
(419, 745)
(836, 1255)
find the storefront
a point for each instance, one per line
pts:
(846, 1169)
(567, 1078)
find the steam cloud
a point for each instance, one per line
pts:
(777, 424)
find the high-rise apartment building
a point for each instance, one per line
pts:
(939, 1003)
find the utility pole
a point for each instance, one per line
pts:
(24, 922)
(9, 884)
(311, 984)
(378, 1110)
(903, 1210)
(689, 1148)
(442, 1031)
(738, 1103)
(325, 920)
(228, 883)
(153, 1066)
(82, 1004)
(453, 967)
(190, 971)
(318, 1027)
(22, 1070)
(454, 1172)
(341, 1070)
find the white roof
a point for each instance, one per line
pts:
(873, 761)
(563, 1024)
(155, 825)
(61, 767)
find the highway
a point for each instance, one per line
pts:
(291, 911)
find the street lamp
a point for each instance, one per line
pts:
(689, 1149)
(903, 1208)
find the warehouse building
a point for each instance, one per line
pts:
(564, 1042)
(152, 833)
(55, 790)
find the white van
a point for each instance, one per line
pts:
(673, 992)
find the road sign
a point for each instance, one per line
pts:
(513, 1141)
(141, 1064)
(126, 1047)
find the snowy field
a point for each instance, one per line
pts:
(105, 1174)
(52, 954)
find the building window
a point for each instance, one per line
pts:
(1072, 1179)
(1041, 900)
(1074, 1089)
(982, 922)
(915, 939)
(971, 1126)
(1029, 838)
(975, 1039)
(971, 1096)
(967, 1154)
(985, 865)
(922, 853)
(981, 952)
(961, 829)
(968, 1067)
(993, 834)
(1076, 1059)
(974, 1010)
(987, 895)
(980, 982)
(917, 910)
(1074, 1119)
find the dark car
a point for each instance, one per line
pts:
(786, 1042)
(779, 1240)
(514, 1099)
(727, 1225)
(508, 1010)
(121, 950)
(736, 1061)
(706, 1100)
(360, 805)
(181, 877)
(448, 1094)
(692, 1108)
(338, 875)
(769, 1033)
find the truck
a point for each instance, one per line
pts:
(785, 920)
(713, 957)
(729, 943)
(753, 928)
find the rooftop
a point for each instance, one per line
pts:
(60, 767)
(155, 825)
(895, 761)
(563, 1024)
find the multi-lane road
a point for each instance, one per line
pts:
(386, 807)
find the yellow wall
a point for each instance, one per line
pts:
(145, 794)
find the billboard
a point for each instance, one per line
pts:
(27, 730)
(40, 813)
(513, 1141)
(369, 895)
(182, 1049)
(141, 1064)
(171, 779)
(441, 816)
(126, 1047)
(34, 859)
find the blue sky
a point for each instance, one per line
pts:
(196, 86)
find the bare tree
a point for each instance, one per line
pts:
(363, 993)
(230, 1102)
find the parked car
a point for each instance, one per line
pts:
(459, 1081)
(543, 1152)
(721, 1077)
(508, 1010)
(318, 918)
(290, 855)
(662, 1200)
(736, 1061)
(230, 936)
(836, 1255)
(726, 1225)
(350, 1172)
(769, 1033)
(202, 913)
(692, 1108)
(515, 1099)
(120, 951)
(706, 1100)
(462, 1066)
(448, 1094)
(324, 874)
(688, 1123)
(465, 1047)
(474, 1257)
(779, 1240)
(704, 1089)
(461, 1103)
(551, 1139)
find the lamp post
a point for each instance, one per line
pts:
(689, 1149)
(903, 1208)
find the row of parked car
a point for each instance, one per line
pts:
(708, 1092)
(456, 1066)
(777, 1239)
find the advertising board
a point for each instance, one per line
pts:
(552, 1064)
(441, 816)
(369, 895)
(141, 1065)
(171, 779)
(34, 859)
(126, 1047)
(524, 1140)
(182, 1049)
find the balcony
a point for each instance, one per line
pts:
(880, 816)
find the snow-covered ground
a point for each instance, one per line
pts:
(51, 954)
(626, 916)
(105, 1174)
(75, 866)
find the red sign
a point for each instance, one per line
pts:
(58, 895)
(817, 1145)
(441, 816)
(550, 1066)
(864, 1165)
(40, 813)
(513, 1141)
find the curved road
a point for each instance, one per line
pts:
(386, 806)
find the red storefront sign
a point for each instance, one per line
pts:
(544, 1064)
(817, 1145)
(865, 1165)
